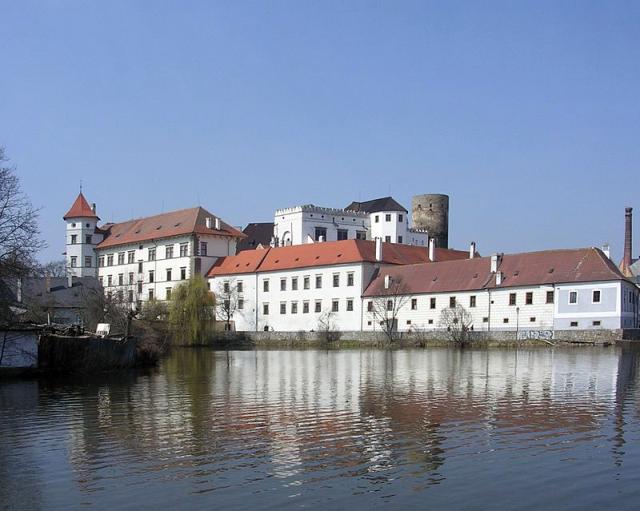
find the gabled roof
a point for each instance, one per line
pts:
(525, 269)
(375, 205)
(80, 209)
(257, 234)
(325, 254)
(165, 225)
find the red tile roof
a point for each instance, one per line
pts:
(524, 269)
(325, 254)
(165, 225)
(80, 209)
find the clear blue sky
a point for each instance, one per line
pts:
(526, 114)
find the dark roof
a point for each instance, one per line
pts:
(257, 233)
(34, 290)
(327, 253)
(375, 205)
(525, 269)
(80, 209)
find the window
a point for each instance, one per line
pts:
(550, 296)
(265, 309)
(239, 286)
(472, 301)
(596, 323)
(121, 279)
(432, 303)
(265, 285)
(120, 295)
(532, 319)
(430, 322)
(361, 235)
(139, 288)
(334, 305)
(168, 252)
(320, 232)
(376, 218)
(87, 239)
(294, 283)
(283, 307)
(131, 278)
(100, 281)
(131, 255)
(109, 280)
(100, 261)
(400, 217)
(294, 307)
(130, 296)
(152, 276)
(184, 249)
(109, 295)
(387, 217)
(110, 260)
(452, 301)
(573, 297)
(203, 248)
(74, 239)
(283, 284)
(573, 324)
(225, 287)
(120, 257)
(140, 267)
(183, 273)
(152, 254)
(318, 306)
(305, 307)
(240, 303)
(350, 304)
(350, 279)
(305, 282)
(87, 261)
(528, 298)
(485, 319)
(505, 320)
(414, 304)
(343, 234)
(408, 322)
(336, 280)
(387, 239)
(168, 274)
(168, 293)
(399, 239)
(74, 261)
(512, 298)
(389, 305)
(596, 296)
(150, 294)
(318, 281)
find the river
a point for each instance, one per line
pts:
(308, 429)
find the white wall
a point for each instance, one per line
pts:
(80, 228)
(293, 226)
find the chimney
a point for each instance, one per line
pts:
(207, 222)
(320, 239)
(387, 281)
(498, 278)
(496, 259)
(217, 223)
(47, 283)
(432, 249)
(628, 226)
(472, 250)
(19, 290)
(69, 280)
(379, 250)
(606, 250)
(93, 208)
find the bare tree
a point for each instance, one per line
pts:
(228, 300)
(327, 329)
(19, 233)
(56, 268)
(385, 308)
(457, 321)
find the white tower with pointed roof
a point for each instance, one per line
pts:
(82, 237)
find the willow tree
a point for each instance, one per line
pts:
(192, 311)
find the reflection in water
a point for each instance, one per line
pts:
(321, 429)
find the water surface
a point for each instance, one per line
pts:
(406, 429)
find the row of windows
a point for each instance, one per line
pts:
(119, 295)
(320, 234)
(151, 254)
(88, 262)
(151, 277)
(387, 218)
(596, 297)
(306, 282)
(317, 307)
(87, 239)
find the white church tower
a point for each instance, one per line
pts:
(82, 238)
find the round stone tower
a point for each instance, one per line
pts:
(431, 212)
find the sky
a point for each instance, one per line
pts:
(526, 114)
